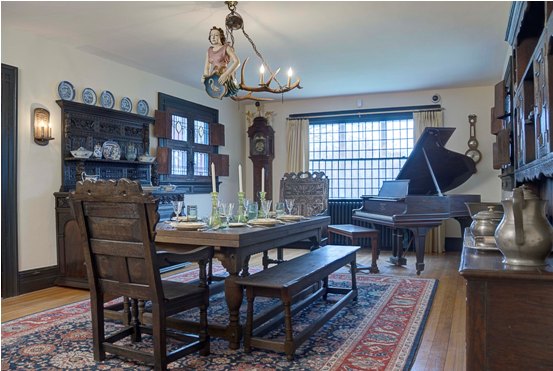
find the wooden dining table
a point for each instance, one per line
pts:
(233, 248)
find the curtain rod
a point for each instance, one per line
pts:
(364, 112)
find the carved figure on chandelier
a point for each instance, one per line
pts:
(221, 63)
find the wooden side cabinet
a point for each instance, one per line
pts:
(70, 252)
(509, 323)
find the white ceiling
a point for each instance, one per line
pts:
(337, 48)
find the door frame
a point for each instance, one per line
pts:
(9, 241)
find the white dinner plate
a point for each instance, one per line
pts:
(188, 226)
(264, 222)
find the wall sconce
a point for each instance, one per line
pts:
(42, 129)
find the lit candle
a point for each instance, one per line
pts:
(240, 178)
(262, 75)
(262, 179)
(49, 130)
(289, 76)
(42, 129)
(213, 187)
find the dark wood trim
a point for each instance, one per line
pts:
(366, 111)
(453, 244)
(37, 279)
(9, 249)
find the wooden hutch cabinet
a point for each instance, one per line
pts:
(509, 309)
(521, 117)
(86, 126)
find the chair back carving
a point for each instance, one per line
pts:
(309, 191)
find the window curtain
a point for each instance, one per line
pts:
(435, 238)
(297, 133)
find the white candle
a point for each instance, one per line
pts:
(240, 178)
(262, 179)
(213, 187)
(262, 75)
(289, 76)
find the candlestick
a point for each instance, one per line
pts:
(262, 179)
(213, 186)
(42, 131)
(262, 196)
(49, 131)
(240, 178)
(215, 218)
(241, 218)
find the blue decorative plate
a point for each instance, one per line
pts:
(142, 107)
(89, 96)
(107, 100)
(66, 90)
(111, 150)
(126, 104)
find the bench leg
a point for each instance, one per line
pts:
(249, 322)
(289, 339)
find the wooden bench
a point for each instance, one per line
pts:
(292, 281)
(354, 233)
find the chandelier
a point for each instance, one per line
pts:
(222, 62)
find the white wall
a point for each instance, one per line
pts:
(458, 104)
(42, 65)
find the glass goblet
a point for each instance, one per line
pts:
(177, 208)
(222, 207)
(266, 207)
(289, 205)
(280, 209)
(228, 214)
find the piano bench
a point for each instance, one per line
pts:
(354, 233)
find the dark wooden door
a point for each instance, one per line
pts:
(9, 181)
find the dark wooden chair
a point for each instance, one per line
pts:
(310, 194)
(117, 223)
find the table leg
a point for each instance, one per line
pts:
(233, 296)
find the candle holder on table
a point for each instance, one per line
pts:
(261, 199)
(215, 218)
(241, 218)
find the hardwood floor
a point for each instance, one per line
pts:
(443, 342)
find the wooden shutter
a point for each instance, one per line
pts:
(163, 124)
(216, 134)
(221, 164)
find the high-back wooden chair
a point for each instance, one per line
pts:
(117, 223)
(310, 194)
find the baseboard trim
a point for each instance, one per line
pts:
(37, 279)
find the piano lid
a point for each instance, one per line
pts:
(450, 169)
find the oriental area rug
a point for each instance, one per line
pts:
(380, 331)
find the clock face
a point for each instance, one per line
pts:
(260, 145)
(474, 154)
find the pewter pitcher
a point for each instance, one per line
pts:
(524, 235)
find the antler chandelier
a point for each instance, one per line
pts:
(222, 62)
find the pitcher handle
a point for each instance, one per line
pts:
(518, 205)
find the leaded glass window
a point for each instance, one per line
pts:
(358, 154)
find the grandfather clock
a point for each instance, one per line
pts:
(262, 153)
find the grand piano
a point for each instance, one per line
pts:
(415, 200)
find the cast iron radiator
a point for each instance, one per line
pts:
(340, 212)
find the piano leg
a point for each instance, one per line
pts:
(464, 222)
(397, 249)
(420, 238)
